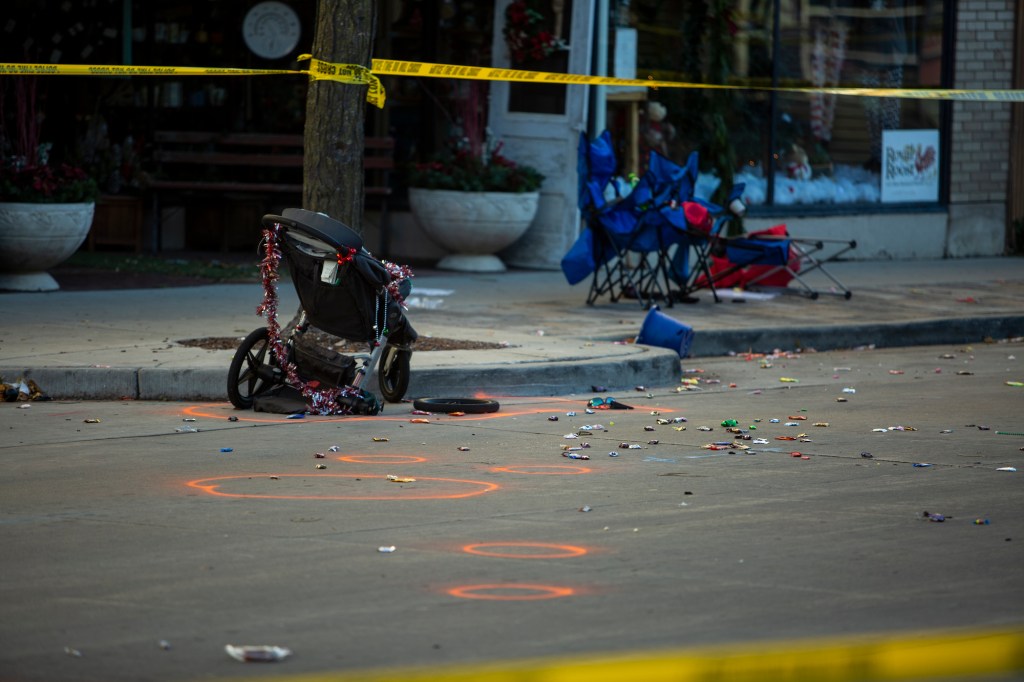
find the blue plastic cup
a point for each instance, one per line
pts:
(661, 330)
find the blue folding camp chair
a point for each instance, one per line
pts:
(769, 258)
(697, 233)
(595, 254)
(686, 224)
(771, 261)
(616, 231)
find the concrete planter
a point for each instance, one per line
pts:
(35, 238)
(473, 226)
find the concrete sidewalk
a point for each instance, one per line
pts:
(113, 344)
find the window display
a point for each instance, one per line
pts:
(804, 148)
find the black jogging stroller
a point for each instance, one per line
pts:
(343, 290)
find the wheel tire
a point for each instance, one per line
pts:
(393, 373)
(467, 405)
(244, 376)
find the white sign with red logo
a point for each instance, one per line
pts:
(910, 165)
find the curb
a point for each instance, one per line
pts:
(653, 366)
(882, 335)
(648, 367)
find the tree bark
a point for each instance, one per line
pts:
(335, 113)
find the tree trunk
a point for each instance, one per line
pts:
(335, 113)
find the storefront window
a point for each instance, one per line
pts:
(794, 148)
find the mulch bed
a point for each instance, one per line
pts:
(89, 279)
(424, 343)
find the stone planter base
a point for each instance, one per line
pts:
(470, 262)
(473, 226)
(36, 237)
(27, 281)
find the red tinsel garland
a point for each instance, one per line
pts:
(323, 401)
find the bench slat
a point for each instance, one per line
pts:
(249, 187)
(240, 139)
(268, 150)
(214, 158)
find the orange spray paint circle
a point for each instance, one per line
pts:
(543, 469)
(511, 592)
(382, 459)
(212, 486)
(555, 551)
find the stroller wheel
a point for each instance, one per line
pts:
(467, 405)
(393, 373)
(252, 370)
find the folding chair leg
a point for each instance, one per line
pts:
(807, 256)
(819, 265)
(702, 267)
(805, 250)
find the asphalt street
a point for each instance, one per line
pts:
(138, 543)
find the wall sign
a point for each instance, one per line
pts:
(910, 165)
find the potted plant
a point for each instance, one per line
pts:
(529, 36)
(473, 204)
(46, 209)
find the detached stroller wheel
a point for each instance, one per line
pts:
(467, 405)
(393, 373)
(252, 370)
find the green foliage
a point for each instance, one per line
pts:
(45, 184)
(709, 26)
(463, 171)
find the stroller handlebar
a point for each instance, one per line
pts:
(318, 226)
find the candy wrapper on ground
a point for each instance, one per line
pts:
(257, 654)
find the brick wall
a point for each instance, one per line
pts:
(980, 154)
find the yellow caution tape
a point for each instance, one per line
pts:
(319, 70)
(346, 73)
(114, 70)
(919, 656)
(392, 67)
(355, 74)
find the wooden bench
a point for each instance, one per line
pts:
(249, 166)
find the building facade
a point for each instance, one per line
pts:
(914, 177)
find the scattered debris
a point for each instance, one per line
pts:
(22, 390)
(257, 654)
